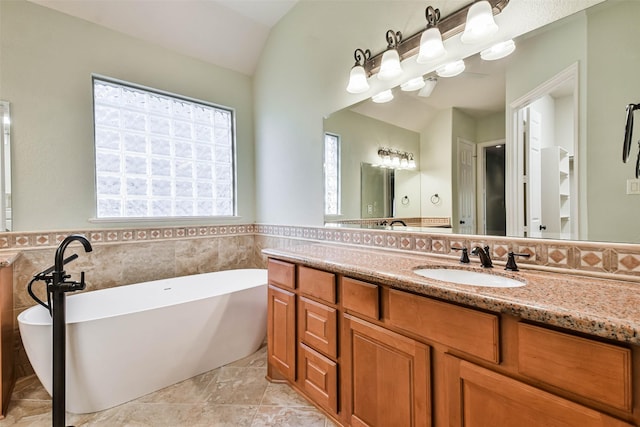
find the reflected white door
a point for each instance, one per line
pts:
(533, 135)
(466, 187)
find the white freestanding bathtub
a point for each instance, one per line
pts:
(125, 342)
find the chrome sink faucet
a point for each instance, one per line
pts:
(483, 253)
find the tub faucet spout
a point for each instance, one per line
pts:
(58, 288)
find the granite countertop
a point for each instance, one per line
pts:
(600, 307)
(8, 258)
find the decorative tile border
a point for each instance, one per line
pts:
(607, 260)
(43, 239)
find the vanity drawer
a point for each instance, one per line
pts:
(317, 326)
(360, 297)
(319, 378)
(318, 284)
(591, 369)
(471, 331)
(281, 274)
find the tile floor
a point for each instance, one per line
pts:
(234, 395)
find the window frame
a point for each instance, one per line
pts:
(175, 218)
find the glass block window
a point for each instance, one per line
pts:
(159, 155)
(331, 174)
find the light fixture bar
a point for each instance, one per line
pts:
(449, 26)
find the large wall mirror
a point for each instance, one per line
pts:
(526, 146)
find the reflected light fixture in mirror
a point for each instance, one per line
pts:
(413, 84)
(498, 51)
(429, 85)
(395, 159)
(480, 23)
(431, 46)
(451, 69)
(382, 97)
(390, 67)
(358, 76)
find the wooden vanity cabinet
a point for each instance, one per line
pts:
(7, 369)
(479, 397)
(318, 337)
(281, 321)
(281, 333)
(371, 355)
(386, 377)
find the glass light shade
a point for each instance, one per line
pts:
(413, 84)
(431, 47)
(480, 23)
(498, 51)
(404, 163)
(451, 69)
(358, 80)
(382, 97)
(390, 66)
(395, 161)
(386, 160)
(429, 85)
(412, 163)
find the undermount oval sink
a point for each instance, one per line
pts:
(469, 277)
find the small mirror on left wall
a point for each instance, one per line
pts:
(5, 166)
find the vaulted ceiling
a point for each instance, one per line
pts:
(227, 33)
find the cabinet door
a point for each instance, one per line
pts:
(479, 397)
(386, 377)
(317, 326)
(281, 332)
(319, 378)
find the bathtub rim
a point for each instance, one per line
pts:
(38, 310)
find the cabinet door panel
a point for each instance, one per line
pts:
(282, 274)
(488, 399)
(387, 377)
(318, 284)
(592, 369)
(319, 377)
(281, 335)
(317, 326)
(464, 329)
(361, 297)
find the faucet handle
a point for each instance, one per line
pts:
(511, 261)
(464, 256)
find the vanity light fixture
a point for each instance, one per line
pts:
(387, 63)
(396, 159)
(431, 46)
(382, 97)
(480, 23)
(498, 51)
(358, 76)
(451, 69)
(413, 84)
(429, 85)
(412, 162)
(386, 158)
(390, 67)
